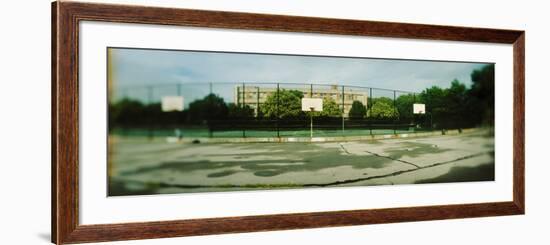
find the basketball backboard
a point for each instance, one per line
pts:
(312, 104)
(172, 103)
(419, 108)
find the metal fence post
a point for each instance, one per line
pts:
(244, 103)
(311, 113)
(149, 101)
(369, 107)
(210, 130)
(343, 110)
(414, 115)
(244, 108)
(257, 102)
(395, 119)
(277, 122)
(238, 97)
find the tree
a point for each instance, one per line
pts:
(382, 108)
(330, 108)
(482, 92)
(133, 113)
(404, 104)
(357, 110)
(457, 115)
(235, 111)
(434, 99)
(451, 107)
(211, 107)
(125, 112)
(286, 104)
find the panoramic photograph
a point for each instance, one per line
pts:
(183, 121)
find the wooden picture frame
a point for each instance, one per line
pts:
(65, 121)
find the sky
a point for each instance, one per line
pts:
(140, 67)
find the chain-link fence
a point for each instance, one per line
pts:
(263, 110)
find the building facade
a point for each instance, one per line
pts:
(254, 96)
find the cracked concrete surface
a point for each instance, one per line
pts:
(159, 167)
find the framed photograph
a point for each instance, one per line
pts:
(176, 122)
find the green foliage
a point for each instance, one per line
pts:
(289, 104)
(382, 108)
(484, 81)
(455, 102)
(404, 106)
(125, 111)
(434, 99)
(330, 108)
(357, 110)
(458, 106)
(235, 111)
(211, 107)
(482, 93)
(447, 106)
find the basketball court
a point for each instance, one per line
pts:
(148, 167)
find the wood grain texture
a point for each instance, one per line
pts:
(149, 230)
(235, 20)
(65, 139)
(519, 122)
(65, 123)
(54, 123)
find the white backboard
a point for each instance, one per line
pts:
(172, 103)
(419, 108)
(312, 104)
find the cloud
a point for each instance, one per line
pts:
(136, 67)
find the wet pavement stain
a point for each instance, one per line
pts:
(321, 158)
(485, 172)
(141, 171)
(222, 173)
(413, 149)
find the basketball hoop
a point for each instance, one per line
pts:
(311, 105)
